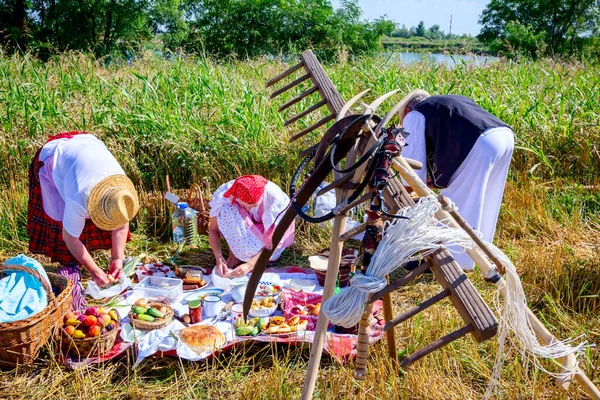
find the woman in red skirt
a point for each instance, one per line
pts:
(80, 200)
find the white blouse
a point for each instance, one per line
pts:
(72, 167)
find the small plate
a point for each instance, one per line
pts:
(205, 278)
(263, 289)
(198, 294)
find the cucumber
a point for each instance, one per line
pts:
(154, 313)
(139, 310)
(146, 317)
(244, 330)
(262, 323)
(255, 331)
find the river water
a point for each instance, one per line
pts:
(449, 59)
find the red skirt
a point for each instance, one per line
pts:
(45, 234)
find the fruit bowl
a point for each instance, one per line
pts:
(150, 318)
(91, 333)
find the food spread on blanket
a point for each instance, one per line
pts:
(274, 297)
(94, 322)
(201, 338)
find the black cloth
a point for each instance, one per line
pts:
(452, 126)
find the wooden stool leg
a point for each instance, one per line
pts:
(391, 338)
(362, 345)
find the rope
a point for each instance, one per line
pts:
(404, 240)
(421, 234)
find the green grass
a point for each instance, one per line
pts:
(195, 118)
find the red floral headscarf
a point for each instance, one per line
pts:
(247, 188)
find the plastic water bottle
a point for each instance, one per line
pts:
(185, 224)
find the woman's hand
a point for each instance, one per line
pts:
(116, 268)
(99, 277)
(221, 267)
(241, 270)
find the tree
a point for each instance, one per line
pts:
(559, 22)
(420, 31)
(434, 32)
(257, 27)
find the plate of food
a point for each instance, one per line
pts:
(194, 280)
(200, 294)
(267, 289)
(281, 327)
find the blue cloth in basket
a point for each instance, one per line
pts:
(22, 295)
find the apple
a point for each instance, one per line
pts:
(70, 330)
(94, 310)
(90, 320)
(82, 318)
(95, 330)
(104, 319)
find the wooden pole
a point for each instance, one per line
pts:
(486, 267)
(333, 266)
(388, 315)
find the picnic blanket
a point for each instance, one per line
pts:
(165, 341)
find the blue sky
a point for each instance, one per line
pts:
(465, 13)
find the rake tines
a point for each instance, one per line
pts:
(321, 83)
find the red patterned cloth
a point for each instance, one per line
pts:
(247, 188)
(45, 234)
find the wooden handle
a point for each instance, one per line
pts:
(362, 344)
(196, 188)
(168, 183)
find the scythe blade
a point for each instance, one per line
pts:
(351, 126)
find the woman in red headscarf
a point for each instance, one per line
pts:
(244, 212)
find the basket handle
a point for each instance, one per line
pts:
(35, 274)
(196, 188)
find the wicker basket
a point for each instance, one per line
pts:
(150, 326)
(20, 341)
(92, 346)
(196, 201)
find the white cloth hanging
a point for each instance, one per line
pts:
(477, 186)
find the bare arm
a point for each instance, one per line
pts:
(79, 251)
(214, 239)
(244, 268)
(119, 238)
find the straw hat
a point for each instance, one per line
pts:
(413, 97)
(113, 202)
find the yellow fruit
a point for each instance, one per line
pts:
(72, 322)
(78, 334)
(114, 315)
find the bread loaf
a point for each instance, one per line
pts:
(201, 338)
